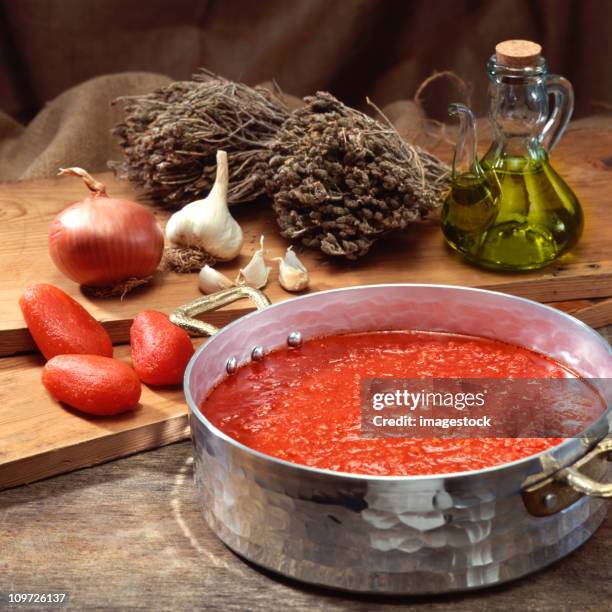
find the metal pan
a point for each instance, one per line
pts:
(412, 534)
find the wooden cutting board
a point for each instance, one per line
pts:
(584, 158)
(40, 438)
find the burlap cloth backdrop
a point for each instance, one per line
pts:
(72, 130)
(52, 49)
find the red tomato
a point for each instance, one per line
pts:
(160, 349)
(92, 383)
(60, 325)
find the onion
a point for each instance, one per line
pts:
(102, 241)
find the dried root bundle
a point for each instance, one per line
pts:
(184, 260)
(340, 179)
(170, 138)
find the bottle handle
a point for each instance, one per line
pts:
(465, 159)
(563, 93)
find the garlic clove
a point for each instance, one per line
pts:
(292, 273)
(255, 273)
(207, 224)
(211, 280)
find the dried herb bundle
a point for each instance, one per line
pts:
(340, 179)
(171, 136)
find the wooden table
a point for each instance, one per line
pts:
(129, 534)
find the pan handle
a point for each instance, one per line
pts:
(569, 484)
(582, 483)
(184, 316)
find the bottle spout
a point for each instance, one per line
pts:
(465, 159)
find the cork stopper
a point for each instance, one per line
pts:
(517, 53)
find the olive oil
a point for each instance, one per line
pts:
(522, 216)
(469, 211)
(511, 210)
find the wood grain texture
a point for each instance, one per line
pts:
(130, 535)
(584, 158)
(595, 314)
(40, 437)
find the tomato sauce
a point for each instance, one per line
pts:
(303, 405)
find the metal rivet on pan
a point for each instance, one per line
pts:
(257, 354)
(231, 365)
(550, 501)
(294, 339)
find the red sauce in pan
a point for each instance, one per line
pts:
(303, 405)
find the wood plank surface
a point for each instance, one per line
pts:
(40, 437)
(129, 535)
(584, 158)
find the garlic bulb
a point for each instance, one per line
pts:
(207, 224)
(211, 280)
(292, 274)
(255, 274)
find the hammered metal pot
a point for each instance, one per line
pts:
(413, 534)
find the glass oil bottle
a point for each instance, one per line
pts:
(511, 210)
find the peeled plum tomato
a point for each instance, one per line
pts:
(160, 349)
(91, 383)
(304, 405)
(60, 325)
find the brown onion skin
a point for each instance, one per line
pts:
(102, 241)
